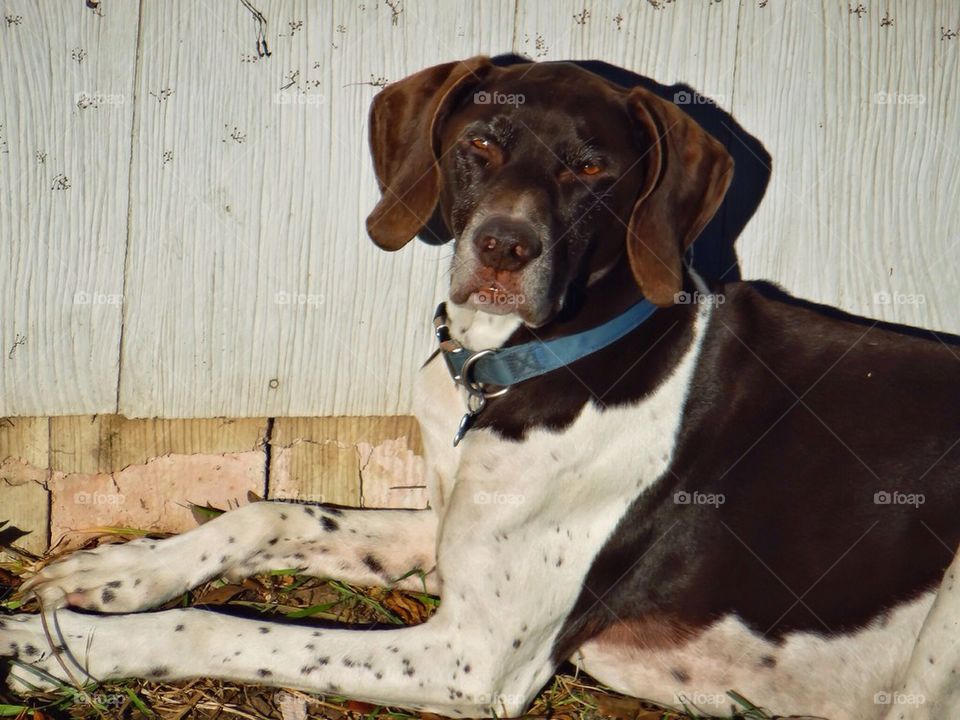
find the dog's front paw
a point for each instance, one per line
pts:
(32, 659)
(112, 578)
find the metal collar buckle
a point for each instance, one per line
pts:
(472, 386)
(477, 392)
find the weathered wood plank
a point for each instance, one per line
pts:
(110, 471)
(358, 461)
(109, 443)
(271, 299)
(24, 500)
(692, 43)
(25, 439)
(860, 112)
(66, 84)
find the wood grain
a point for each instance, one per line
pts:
(66, 84)
(109, 443)
(861, 120)
(246, 285)
(272, 297)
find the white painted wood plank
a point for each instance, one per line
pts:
(253, 288)
(66, 83)
(861, 119)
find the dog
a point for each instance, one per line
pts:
(744, 492)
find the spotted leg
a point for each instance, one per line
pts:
(366, 547)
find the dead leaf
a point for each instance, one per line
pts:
(219, 595)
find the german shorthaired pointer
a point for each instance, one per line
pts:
(727, 489)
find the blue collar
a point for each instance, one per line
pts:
(478, 370)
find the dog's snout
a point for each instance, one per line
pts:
(506, 244)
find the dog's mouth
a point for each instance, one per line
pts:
(494, 292)
(496, 300)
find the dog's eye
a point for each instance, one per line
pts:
(480, 143)
(590, 169)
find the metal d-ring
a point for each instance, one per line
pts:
(474, 387)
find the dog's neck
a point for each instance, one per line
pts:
(478, 330)
(604, 297)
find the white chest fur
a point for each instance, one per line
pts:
(605, 455)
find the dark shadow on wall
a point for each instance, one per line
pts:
(713, 254)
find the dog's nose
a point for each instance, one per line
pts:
(506, 244)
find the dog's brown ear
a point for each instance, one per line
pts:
(403, 122)
(688, 172)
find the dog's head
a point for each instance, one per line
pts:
(544, 173)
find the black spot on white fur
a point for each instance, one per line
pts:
(329, 524)
(374, 565)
